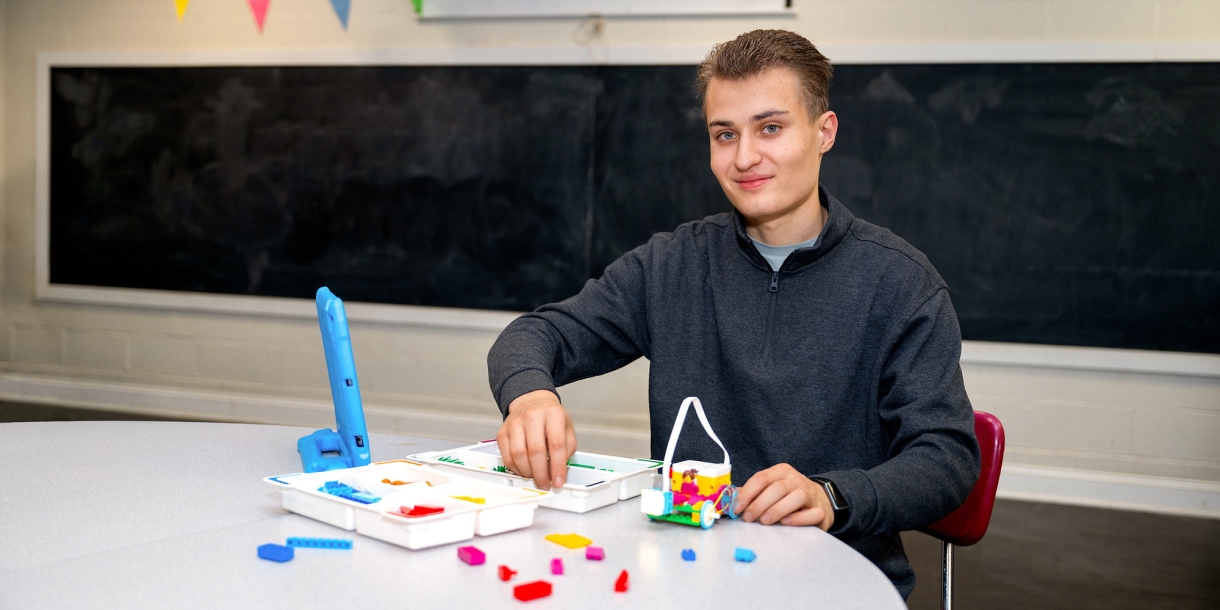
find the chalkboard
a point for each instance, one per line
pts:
(1071, 204)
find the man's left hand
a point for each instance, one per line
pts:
(780, 494)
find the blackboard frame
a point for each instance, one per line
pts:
(973, 351)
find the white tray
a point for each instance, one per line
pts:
(504, 508)
(594, 480)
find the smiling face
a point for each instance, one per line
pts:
(767, 152)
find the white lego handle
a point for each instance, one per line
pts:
(673, 436)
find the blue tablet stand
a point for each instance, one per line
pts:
(351, 442)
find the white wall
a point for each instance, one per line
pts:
(432, 381)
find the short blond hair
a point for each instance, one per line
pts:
(755, 52)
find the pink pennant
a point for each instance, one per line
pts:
(260, 12)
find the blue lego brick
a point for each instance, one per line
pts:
(688, 554)
(275, 552)
(348, 492)
(745, 555)
(360, 496)
(320, 543)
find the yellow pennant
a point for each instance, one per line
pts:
(181, 6)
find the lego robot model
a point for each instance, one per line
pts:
(690, 492)
(349, 446)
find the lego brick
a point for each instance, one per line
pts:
(688, 554)
(620, 585)
(571, 541)
(506, 573)
(419, 510)
(470, 499)
(557, 566)
(595, 553)
(706, 469)
(702, 484)
(348, 492)
(471, 555)
(745, 555)
(275, 552)
(532, 590)
(320, 543)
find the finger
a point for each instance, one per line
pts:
(570, 433)
(795, 500)
(535, 445)
(769, 496)
(518, 450)
(751, 489)
(557, 446)
(502, 443)
(809, 516)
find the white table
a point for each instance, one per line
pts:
(168, 515)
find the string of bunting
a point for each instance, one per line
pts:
(343, 9)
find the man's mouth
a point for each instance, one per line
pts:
(750, 183)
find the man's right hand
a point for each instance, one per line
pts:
(537, 438)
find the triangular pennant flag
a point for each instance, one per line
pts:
(342, 8)
(181, 6)
(260, 12)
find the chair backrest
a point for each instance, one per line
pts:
(966, 525)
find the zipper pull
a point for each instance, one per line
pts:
(775, 282)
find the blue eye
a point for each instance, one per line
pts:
(771, 129)
(726, 135)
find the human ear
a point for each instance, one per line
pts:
(828, 126)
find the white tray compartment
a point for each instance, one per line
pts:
(608, 480)
(454, 525)
(504, 508)
(321, 509)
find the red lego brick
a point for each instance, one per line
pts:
(620, 585)
(420, 510)
(506, 573)
(532, 590)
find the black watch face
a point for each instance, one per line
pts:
(836, 499)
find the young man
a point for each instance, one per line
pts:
(824, 349)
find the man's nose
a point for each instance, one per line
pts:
(748, 154)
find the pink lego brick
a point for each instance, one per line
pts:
(557, 566)
(595, 553)
(471, 555)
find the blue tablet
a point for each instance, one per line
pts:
(349, 447)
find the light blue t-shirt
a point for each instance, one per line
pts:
(775, 255)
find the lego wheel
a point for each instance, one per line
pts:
(707, 515)
(724, 501)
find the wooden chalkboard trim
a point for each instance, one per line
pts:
(276, 307)
(973, 352)
(1090, 358)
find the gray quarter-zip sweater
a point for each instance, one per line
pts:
(843, 363)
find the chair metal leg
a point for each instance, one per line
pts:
(946, 575)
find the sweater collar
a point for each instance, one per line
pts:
(838, 221)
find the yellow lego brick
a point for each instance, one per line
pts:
(709, 485)
(572, 541)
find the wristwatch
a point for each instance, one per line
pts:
(841, 509)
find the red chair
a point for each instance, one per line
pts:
(966, 525)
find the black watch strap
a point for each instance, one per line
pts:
(842, 510)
